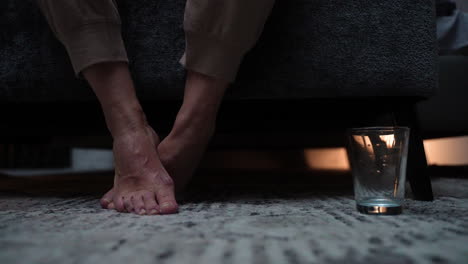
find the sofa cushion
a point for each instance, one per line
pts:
(309, 49)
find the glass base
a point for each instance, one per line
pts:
(379, 207)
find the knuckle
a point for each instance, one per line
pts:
(167, 181)
(164, 194)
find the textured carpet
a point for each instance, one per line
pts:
(232, 226)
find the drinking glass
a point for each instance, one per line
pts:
(378, 157)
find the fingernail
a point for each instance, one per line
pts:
(142, 211)
(111, 206)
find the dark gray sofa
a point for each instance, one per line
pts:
(320, 66)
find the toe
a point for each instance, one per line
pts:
(138, 204)
(119, 203)
(166, 198)
(169, 207)
(107, 199)
(127, 201)
(151, 205)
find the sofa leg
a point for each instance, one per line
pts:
(416, 172)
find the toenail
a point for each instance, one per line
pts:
(154, 211)
(142, 211)
(166, 205)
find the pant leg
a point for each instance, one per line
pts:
(220, 32)
(89, 30)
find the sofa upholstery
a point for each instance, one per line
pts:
(309, 49)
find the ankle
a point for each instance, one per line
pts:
(122, 119)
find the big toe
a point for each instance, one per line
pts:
(165, 195)
(167, 201)
(169, 207)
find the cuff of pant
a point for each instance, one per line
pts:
(211, 56)
(95, 43)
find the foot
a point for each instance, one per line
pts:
(180, 154)
(182, 150)
(141, 183)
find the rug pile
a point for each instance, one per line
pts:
(237, 227)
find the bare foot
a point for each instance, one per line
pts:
(182, 150)
(180, 153)
(141, 184)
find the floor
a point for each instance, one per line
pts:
(57, 219)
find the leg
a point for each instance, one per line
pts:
(219, 33)
(141, 183)
(90, 31)
(217, 37)
(183, 148)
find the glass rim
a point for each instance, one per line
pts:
(378, 129)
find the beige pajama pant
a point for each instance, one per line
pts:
(218, 32)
